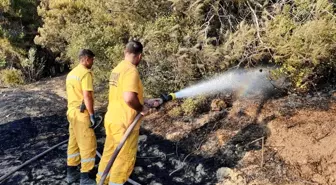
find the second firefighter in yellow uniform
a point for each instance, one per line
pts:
(82, 140)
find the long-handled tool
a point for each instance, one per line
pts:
(164, 98)
(117, 150)
(128, 180)
(8, 174)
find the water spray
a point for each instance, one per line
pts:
(242, 82)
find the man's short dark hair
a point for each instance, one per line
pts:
(134, 47)
(86, 53)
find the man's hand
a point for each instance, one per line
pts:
(131, 99)
(146, 111)
(153, 103)
(92, 120)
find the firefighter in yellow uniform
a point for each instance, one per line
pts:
(125, 101)
(82, 140)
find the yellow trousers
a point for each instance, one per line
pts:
(82, 141)
(124, 163)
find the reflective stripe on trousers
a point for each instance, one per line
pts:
(82, 141)
(111, 183)
(88, 160)
(73, 155)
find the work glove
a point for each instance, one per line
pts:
(92, 121)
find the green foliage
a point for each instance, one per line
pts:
(305, 50)
(2, 63)
(5, 5)
(162, 36)
(2, 60)
(9, 54)
(82, 24)
(19, 23)
(11, 77)
(175, 112)
(32, 67)
(238, 45)
(189, 40)
(193, 106)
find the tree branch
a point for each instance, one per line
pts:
(256, 21)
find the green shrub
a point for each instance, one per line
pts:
(11, 77)
(194, 106)
(175, 112)
(32, 66)
(304, 49)
(188, 40)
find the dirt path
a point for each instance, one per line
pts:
(222, 147)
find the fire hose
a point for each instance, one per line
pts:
(4, 177)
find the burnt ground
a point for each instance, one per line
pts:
(157, 160)
(222, 147)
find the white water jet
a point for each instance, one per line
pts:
(244, 82)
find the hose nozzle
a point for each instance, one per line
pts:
(168, 97)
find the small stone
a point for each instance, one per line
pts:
(155, 183)
(199, 168)
(176, 163)
(39, 177)
(58, 177)
(150, 176)
(159, 164)
(223, 173)
(63, 183)
(177, 179)
(142, 138)
(138, 170)
(155, 151)
(218, 105)
(199, 173)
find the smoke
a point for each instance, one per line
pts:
(242, 82)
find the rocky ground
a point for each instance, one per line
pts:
(273, 140)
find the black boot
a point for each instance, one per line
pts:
(72, 174)
(85, 179)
